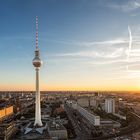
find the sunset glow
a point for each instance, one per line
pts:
(85, 45)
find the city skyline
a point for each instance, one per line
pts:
(85, 45)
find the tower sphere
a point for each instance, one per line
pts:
(37, 62)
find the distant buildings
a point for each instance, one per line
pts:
(110, 105)
(59, 110)
(84, 102)
(94, 102)
(87, 101)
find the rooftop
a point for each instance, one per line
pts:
(52, 126)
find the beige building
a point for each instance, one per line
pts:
(5, 112)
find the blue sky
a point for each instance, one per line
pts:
(84, 44)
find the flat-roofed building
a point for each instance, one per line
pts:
(6, 111)
(93, 102)
(57, 130)
(92, 118)
(84, 101)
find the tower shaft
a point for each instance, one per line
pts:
(37, 64)
(38, 121)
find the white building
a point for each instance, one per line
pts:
(110, 105)
(93, 119)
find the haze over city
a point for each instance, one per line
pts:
(85, 44)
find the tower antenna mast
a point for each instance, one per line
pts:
(36, 32)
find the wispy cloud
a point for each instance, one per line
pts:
(113, 51)
(133, 75)
(108, 42)
(126, 6)
(129, 74)
(122, 54)
(92, 43)
(95, 54)
(110, 49)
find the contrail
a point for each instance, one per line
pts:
(130, 42)
(130, 45)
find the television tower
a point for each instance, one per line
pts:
(37, 62)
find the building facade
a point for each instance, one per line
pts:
(110, 105)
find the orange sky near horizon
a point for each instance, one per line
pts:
(30, 87)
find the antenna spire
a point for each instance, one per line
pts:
(36, 32)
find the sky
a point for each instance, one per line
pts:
(84, 44)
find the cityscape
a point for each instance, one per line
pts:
(70, 70)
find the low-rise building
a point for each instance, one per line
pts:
(6, 111)
(92, 118)
(57, 131)
(84, 102)
(93, 102)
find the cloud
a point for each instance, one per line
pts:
(126, 6)
(129, 46)
(108, 51)
(97, 49)
(129, 74)
(113, 51)
(121, 61)
(117, 52)
(135, 14)
(108, 62)
(117, 41)
(108, 42)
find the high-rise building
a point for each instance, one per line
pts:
(37, 64)
(110, 105)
